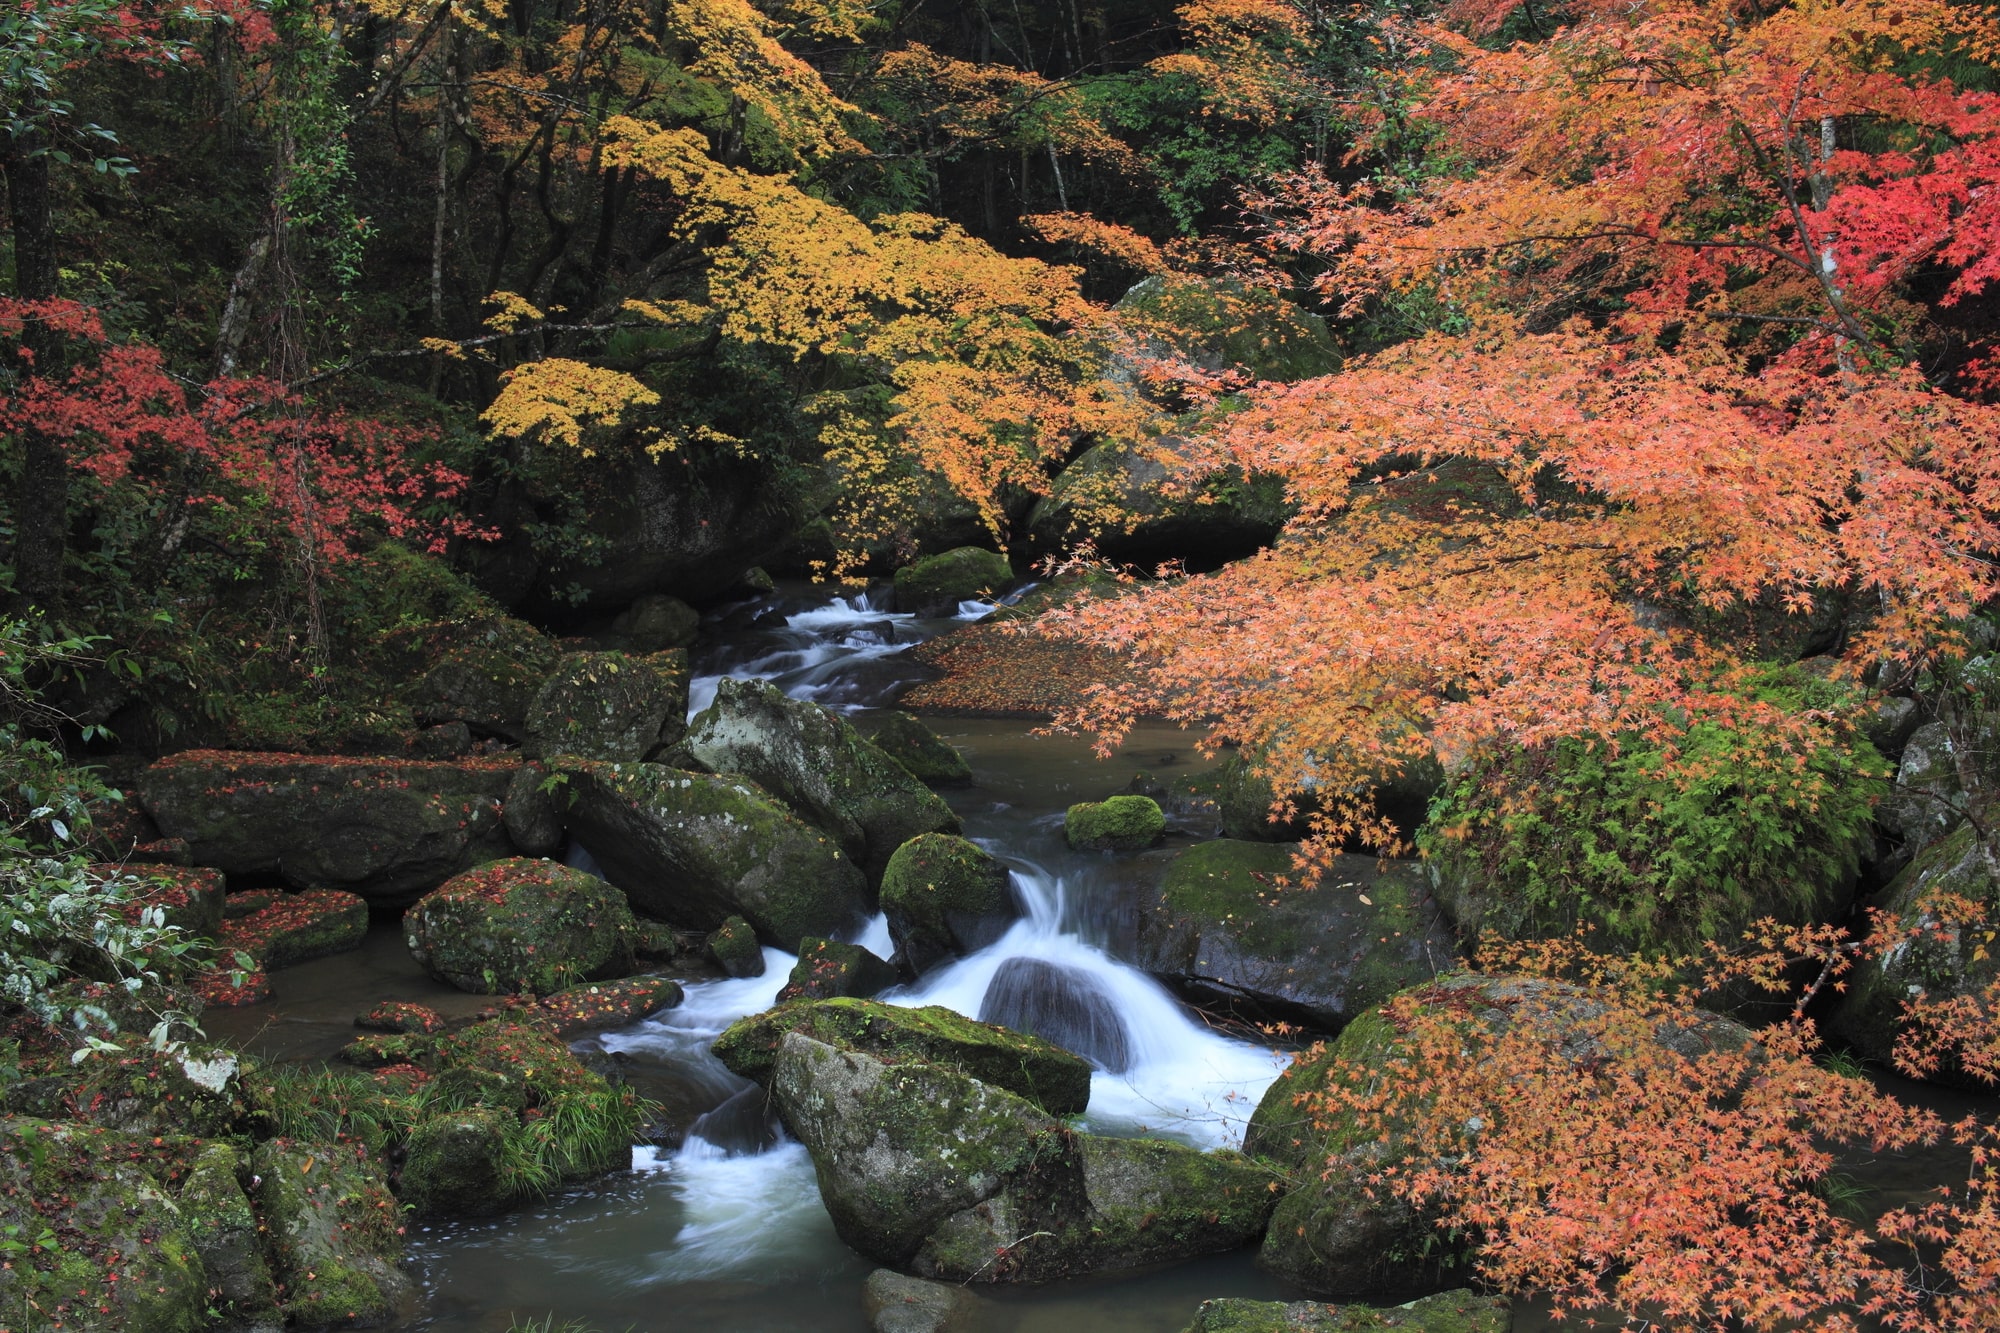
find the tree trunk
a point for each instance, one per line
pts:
(41, 513)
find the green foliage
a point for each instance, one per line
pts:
(1663, 847)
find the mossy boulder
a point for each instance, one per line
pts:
(386, 829)
(483, 672)
(188, 898)
(945, 898)
(610, 706)
(106, 1247)
(521, 925)
(455, 1164)
(814, 761)
(917, 748)
(1335, 1235)
(695, 849)
(297, 928)
(657, 622)
(1223, 930)
(1129, 499)
(829, 969)
(1940, 958)
(935, 584)
(1244, 797)
(923, 1167)
(734, 947)
(332, 1230)
(401, 1016)
(1055, 1080)
(380, 1050)
(1927, 800)
(196, 1090)
(1458, 1311)
(606, 1004)
(1229, 327)
(1118, 824)
(227, 1237)
(534, 823)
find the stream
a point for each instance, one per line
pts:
(724, 1230)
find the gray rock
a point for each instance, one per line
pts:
(657, 622)
(609, 706)
(1928, 797)
(226, 1239)
(1889, 723)
(916, 747)
(332, 1234)
(898, 1304)
(1459, 1311)
(534, 825)
(816, 762)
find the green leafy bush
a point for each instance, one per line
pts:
(1661, 845)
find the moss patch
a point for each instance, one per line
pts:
(917, 748)
(521, 925)
(945, 897)
(936, 584)
(1119, 824)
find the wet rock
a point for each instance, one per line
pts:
(297, 928)
(455, 1165)
(534, 824)
(1060, 1005)
(386, 829)
(935, 584)
(1118, 824)
(1220, 929)
(401, 1016)
(742, 1126)
(609, 706)
(923, 1167)
(331, 1227)
(1943, 959)
(945, 898)
(1458, 1311)
(917, 748)
(828, 969)
(814, 761)
(1332, 1234)
(733, 946)
(521, 925)
(695, 849)
(656, 622)
(898, 1304)
(116, 1219)
(607, 1004)
(482, 673)
(1051, 1078)
(225, 1234)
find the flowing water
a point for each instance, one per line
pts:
(725, 1230)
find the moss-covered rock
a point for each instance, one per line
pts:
(1927, 800)
(297, 928)
(1127, 499)
(521, 925)
(1222, 929)
(188, 898)
(332, 1230)
(734, 947)
(381, 1050)
(105, 1248)
(935, 584)
(197, 1090)
(1940, 959)
(828, 969)
(455, 1165)
(606, 1004)
(657, 622)
(401, 1016)
(226, 1236)
(1244, 798)
(814, 761)
(917, 748)
(695, 849)
(610, 706)
(534, 823)
(483, 672)
(1332, 1234)
(895, 1303)
(386, 829)
(922, 1166)
(945, 898)
(1447, 1312)
(1229, 327)
(1118, 824)
(1053, 1079)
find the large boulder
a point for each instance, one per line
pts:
(945, 898)
(1928, 798)
(1063, 1005)
(1335, 1233)
(1222, 929)
(657, 622)
(101, 1246)
(695, 849)
(610, 706)
(925, 1168)
(483, 672)
(935, 584)
(386, 829)
(1940, 958)
(816, 762)
(917, 748)
(456, 1164)
(521, 925)
(1458, 1311)
(332, 1230)
(1123, 823)
(1051, 1078)
(1244, 799)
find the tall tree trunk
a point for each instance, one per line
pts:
(41, 513)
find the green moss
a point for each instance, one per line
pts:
(334, 1237)
(828, 969)
(914, 746)
(944, 897)
(522, 925)
(735, 948)
(1447, 1312)
(1050, 1077)
(457, 1164)
(610, 706)
(936, 584)
(1121, 823)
